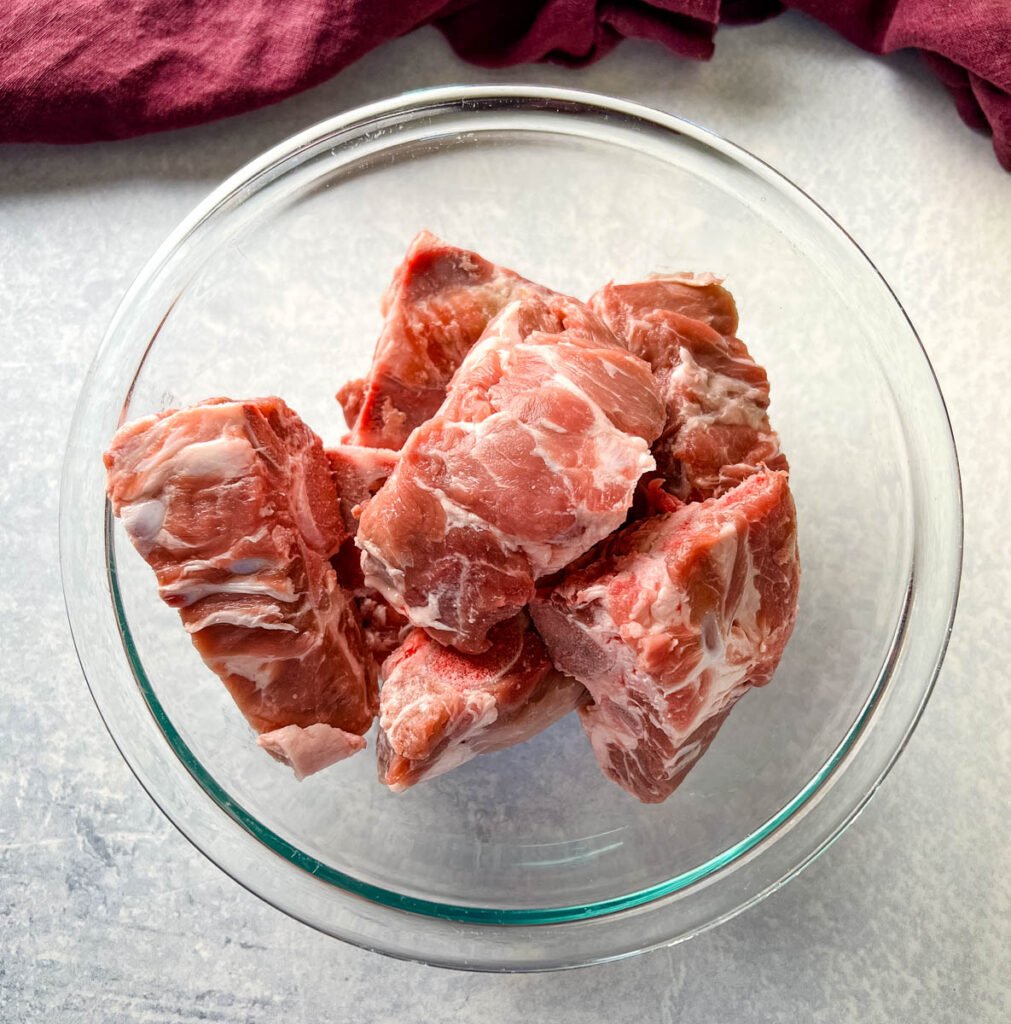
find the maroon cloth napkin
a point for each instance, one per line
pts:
(81, 70)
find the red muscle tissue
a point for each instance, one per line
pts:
(437, 305)
(678, 616)
(232, 505)
(541, 506)
(531, 459)
(440, 708)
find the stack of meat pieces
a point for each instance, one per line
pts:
(541, 505)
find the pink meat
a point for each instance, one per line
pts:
(700, 297)
(717, 430)
(532, 458)
(310, 749)
(438, 304)
(233, 506)
(440, 708)
(358, 473)
(678, 616)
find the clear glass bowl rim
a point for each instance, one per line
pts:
(505, 931)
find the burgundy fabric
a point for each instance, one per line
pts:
(80, 70)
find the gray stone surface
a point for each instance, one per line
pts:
(107, 914)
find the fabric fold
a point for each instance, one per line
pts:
(86, 70)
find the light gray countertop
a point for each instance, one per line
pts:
(107, 914)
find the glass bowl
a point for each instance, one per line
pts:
(528, 859)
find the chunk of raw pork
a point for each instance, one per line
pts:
(438, 304)
(310, 749)
(532, 458)
(233, 506)
(358, 472)
(439, 708)
(700, 297)
(678, 616)
(717, 430)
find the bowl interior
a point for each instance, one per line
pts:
(282, 296)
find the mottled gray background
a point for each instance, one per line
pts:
(107, 914)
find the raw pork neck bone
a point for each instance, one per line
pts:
(439, 708)
(675, 620)
(358, 473)
(233, 506)
(717, 430)
(532, 458)
(700, 297)
(438, 304)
